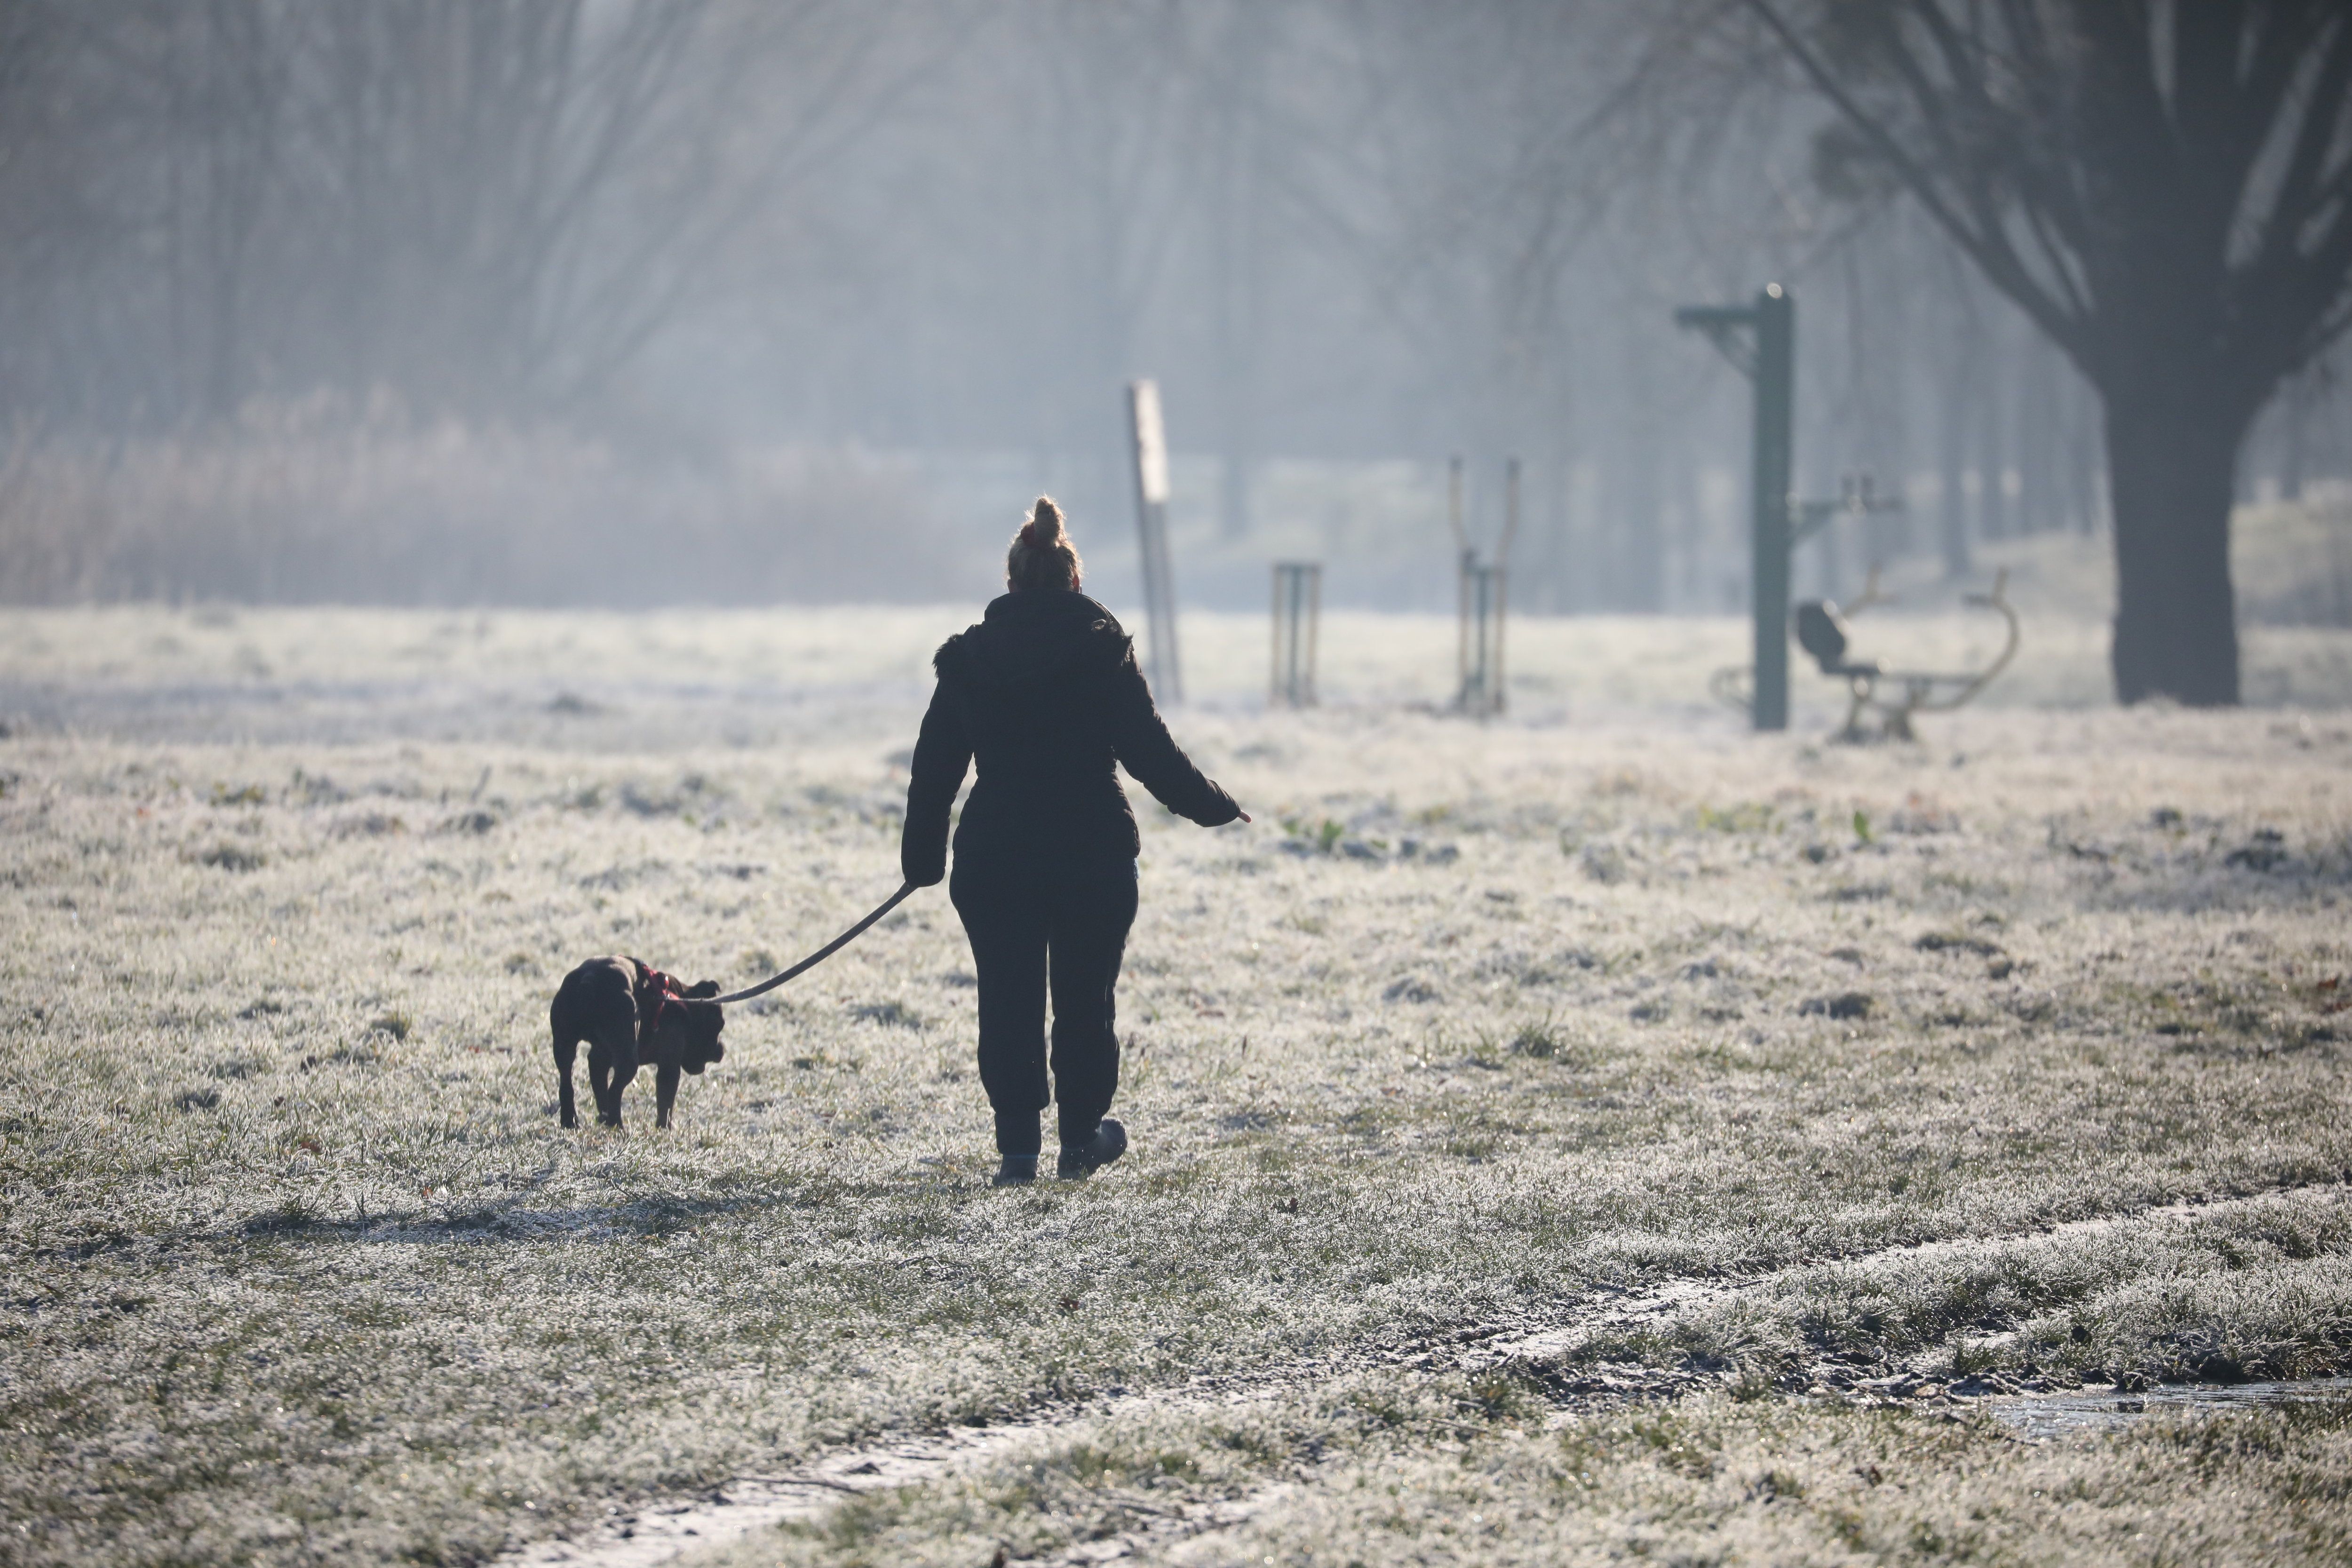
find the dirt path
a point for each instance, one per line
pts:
(661, 1534)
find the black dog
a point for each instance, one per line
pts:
(631, 1014)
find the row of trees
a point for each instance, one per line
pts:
(1353, 230)
(483, 208)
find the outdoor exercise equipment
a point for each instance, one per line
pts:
(1150, 448)
(1483, 593)
(1822, 632)
(1760, 341)
(1297, 607)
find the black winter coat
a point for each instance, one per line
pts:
(1044, 692)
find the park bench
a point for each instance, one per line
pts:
(1895, 695)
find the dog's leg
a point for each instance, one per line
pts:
(615, 1046)
(665, 1092)
(600, 1076)
(600, 1080)
(566, 1053)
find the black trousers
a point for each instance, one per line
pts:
(1027, 917)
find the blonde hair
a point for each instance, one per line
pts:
(1042, 555)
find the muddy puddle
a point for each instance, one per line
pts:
(2041, 1416)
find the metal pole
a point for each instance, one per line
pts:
(1776, 327)
(1510, 512)
(1481, 690)
(1502, 579)
(1502, 610)
(1298, 596)
(1274, 692)
(1314, 625)
(1290, 681)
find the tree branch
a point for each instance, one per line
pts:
(2303, 188)
(1990, 250)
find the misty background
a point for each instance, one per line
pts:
(628, 302)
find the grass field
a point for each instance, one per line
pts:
(1598, 1133)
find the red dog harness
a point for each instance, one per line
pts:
(662, 991)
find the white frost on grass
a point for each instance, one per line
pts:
(300, 1265)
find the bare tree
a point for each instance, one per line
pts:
(501, 201)
(217, 78)
(483, 206)
(2166, 191)
(1104, 127)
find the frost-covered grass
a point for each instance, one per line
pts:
(746, 677)
(1457, 1473)
(1476, 1025)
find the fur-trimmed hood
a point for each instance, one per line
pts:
(1035, 635)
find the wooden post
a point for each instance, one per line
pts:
(1297, 607)
(1481, 601)
(1465, 561)
(1150, 448)
(1482, 686)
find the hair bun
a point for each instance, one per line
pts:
(1044, 525)
(1042, 555)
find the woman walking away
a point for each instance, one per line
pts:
(1045, 695)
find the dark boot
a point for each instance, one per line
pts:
(1017, 1140)
(1080, 1161)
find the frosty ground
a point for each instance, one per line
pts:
(2009, 1060)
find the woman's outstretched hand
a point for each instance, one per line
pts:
(1246, 815)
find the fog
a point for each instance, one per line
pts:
(611, 302)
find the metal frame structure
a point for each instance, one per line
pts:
(1297, 614)
(1482, 600)
(1760, 341)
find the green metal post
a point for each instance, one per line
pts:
(1776, 396)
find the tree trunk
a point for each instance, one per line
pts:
(1993, 520)
(2171, 464)
(1957, 403)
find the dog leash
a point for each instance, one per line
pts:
(822, 953)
